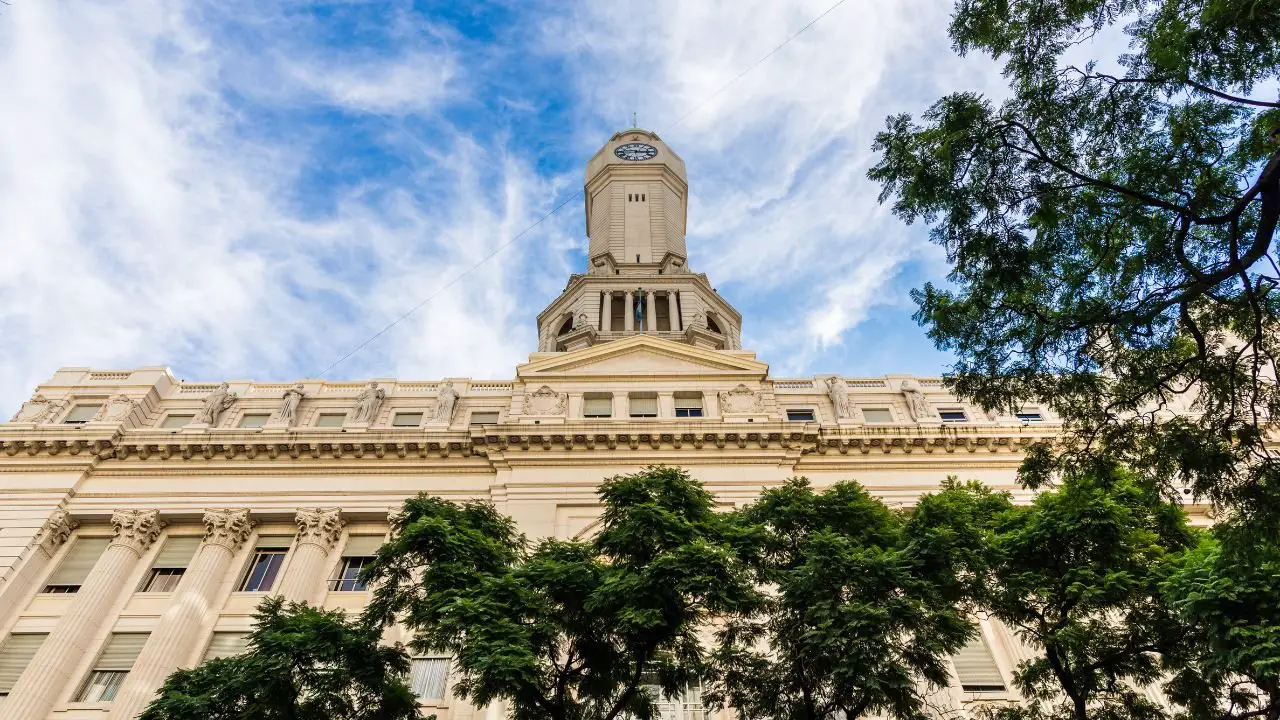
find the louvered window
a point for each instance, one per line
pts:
(597, 406)
(112, 667)
(688, 405)
(356, 556)
(171, 562)
(643, 406)
(428, 676)
(227, 644)
(15, 655)
(253, 420)
(976, 668)
(75, 565)
(171, 422)
(81, 414)
(877, 415)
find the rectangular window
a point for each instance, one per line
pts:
(331, 419)
(255, 420)
(15, 654)
(173, 421)
(227, 644)
(597, 405)
(800, 415)
(268, 557)
(81, 414)
(112, 667)
(429, 676)
(170, 563)
(643, 405)
(976, 668)
(877, 415)
(406, 419)
(688, 405)
(1030, 416)
(485, 417)
(75, 565)
(357, 554)
(955, 416)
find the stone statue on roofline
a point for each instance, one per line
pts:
(367, 403)
(214, 403)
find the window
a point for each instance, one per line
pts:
(976, 668)
(75, 566)
(15, 654)
(428, 676)
(81, 414)
(597, 405)
(487, 417)
(1030, 416)
(686, 705)
(406, 419)
(173, 421)
(644, 405)
(171, 562)
(268, 556)
(953, 416)
(688, 405)
(800, 415)
(331, 419)
(356, 556)
(226, 644)
(254, 420)
(877, 415)
(112, 667)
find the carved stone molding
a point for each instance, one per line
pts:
(545, 401)
(741, 399)
(319, 526)
(56, 530)
(228, 528)
(38, 409)
(115, 409)
(136, 529)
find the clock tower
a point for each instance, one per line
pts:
(637, 280)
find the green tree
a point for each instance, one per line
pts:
(1110, 227)
(302, 663)
(1227, 592)
(1076, 574)
(565, 630)
(858, 609)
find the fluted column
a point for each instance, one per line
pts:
(673, 311)
(193, 600)
(628, 313)
(48, 674)
(318, 533)
(52, 535)
(650, 316)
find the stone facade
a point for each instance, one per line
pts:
(206, 497)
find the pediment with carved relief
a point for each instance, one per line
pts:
(642, 356)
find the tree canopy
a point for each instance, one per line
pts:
(302, 662)
(1110, 226)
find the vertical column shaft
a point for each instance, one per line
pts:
(193, 601)
(628, 313)
(673, 311)
(56, 530)
(318, 533)
(650, 316)
(48, 673)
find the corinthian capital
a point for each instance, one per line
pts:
(56, 530)
(136, 529)
(321, 526)
(228, 528)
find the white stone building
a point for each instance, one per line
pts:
(142, 518)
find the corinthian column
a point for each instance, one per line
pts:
(193, 600)
(628, 313)
(55, 531)
(48, 673)
(650, 313)
(318, 533)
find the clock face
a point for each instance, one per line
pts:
(636, 151)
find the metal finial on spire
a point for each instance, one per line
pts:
(634, 123)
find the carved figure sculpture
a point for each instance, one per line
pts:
(699, 321)
(993, 414)
(288, 413)
(741, 399)
(916, 404)
(445, 403)
(115, 409)
(839, 394)
(37, 409)
(582, 321)
(545, 401)
(216, 401)
(367, 403)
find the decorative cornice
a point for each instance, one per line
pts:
(227, 528)
(56, 530)
(136, 529)
(321, 526)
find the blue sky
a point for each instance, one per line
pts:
(251, 189)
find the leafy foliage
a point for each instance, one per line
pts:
(565, 630)
(1110, 228)
(303, 662)
(860, 613)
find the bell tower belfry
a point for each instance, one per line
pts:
(637, 280)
